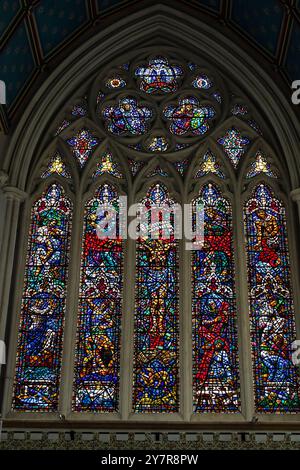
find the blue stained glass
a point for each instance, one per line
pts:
(96, 384)
(159, 76)
(127, 117)
(189, 117)
(156, 340)
(215, 346)
(272, 320)
(44, 301)
(234, 145)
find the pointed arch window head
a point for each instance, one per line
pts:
(38, 365)
(209, 165)
(96, 383)
(261, 165)
(215, 345)
(82, 144)
(156, 117)
(234, 145)
(156, 337)
(271, 305)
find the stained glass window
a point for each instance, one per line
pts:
(82, 144)
(239, 110)
(108, 165)
(234, 145)
(38, 366)
(159, 76)
(271, 304)
(79, 110)
(260, 165)
(158, 144)
(63, 125)
(155, 114)
(115, 83)
(96, 384)
(56, 166)
(182, 166)
(203, 82)
(156, 348)
(157, 171)
(209, 165)
(189, 117)
(135, 166)
(127, 117)
(215, 347)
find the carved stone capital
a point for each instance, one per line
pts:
(295, 195)
(12, 193)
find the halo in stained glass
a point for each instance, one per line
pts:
(37, 379)
(234, 145)
(272, 319)
(215, 345)
(128, 117)
(159, 76)
(189, 117)
(156, 343)
(97, 368)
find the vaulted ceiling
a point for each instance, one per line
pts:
(37, 34)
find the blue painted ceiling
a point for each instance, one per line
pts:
(34, 34)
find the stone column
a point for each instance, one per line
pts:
(295, 195)
(10, 201)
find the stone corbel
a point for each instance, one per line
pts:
(12, 193)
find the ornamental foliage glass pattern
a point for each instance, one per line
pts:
(96, 385)
(215, 346)
(156, 337)
(44, 302)
(271, 304)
